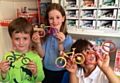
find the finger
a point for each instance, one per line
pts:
(36, 34)
(5, 63)
(31, 64)
(5, 69)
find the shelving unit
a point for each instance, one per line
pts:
(93, 17)
(42, 5)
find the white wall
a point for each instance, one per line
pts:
(8, 7)
(8, 11)
(5, 42)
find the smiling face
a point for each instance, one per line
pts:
(55, 17)
(21, 41)
(90, 58)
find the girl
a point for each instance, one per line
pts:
(52, 45)
(90, 73)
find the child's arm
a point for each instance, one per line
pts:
(104, 66)
(111, 75)
(36, 40)
(36, 68)
(33, 68)
(4, 67)
(61, 39)
(72, 68)
(64, 42)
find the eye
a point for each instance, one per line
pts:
(16, 38)
(58, 17)
(88, 52)
(51, 18)
(25, 38)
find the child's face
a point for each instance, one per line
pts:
(90, 58)
(56, 18)
(21, 41)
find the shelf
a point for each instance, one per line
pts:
(91, 32)
(95, 18)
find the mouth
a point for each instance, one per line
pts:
(55, 25)
(21, 46)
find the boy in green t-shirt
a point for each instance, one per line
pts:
(21, 65)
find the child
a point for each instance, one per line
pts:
(90, 73)
(52, 45)
(21, 65)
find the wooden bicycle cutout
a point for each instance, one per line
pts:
(61, 61)
(43, 29)
(99, 47)
(12, 58)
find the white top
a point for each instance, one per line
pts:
(97, 76)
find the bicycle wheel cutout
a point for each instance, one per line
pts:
(60, 62)
(10, 58)
(105, 47)
(79, 58)
(25, 60)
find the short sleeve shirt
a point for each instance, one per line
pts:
(97, 76)
(52, 51)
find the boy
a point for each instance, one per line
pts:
(21, 65)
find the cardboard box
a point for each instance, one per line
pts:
(107, 14)
(72, 25)
(87, 24)
(71, 4)
(87, 4)
(106, 25)
(72, 14)
(88, 14)
(108, 3)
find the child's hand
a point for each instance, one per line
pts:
(104, 63)
(60, 36)
(33, 68)
(4, 66)
(71, 67)
(36, 37)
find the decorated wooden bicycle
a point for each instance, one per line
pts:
(61, 61)
(42, 29)
(12, 58)
(99, 47)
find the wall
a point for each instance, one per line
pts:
(5, 43)
(12, 5)
(8, 11)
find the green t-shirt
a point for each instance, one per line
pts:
(18, 72)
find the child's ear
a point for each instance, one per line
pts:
(63, 18)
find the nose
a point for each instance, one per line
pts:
(54, 20)
(21, 41)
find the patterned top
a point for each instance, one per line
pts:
(18, 72)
